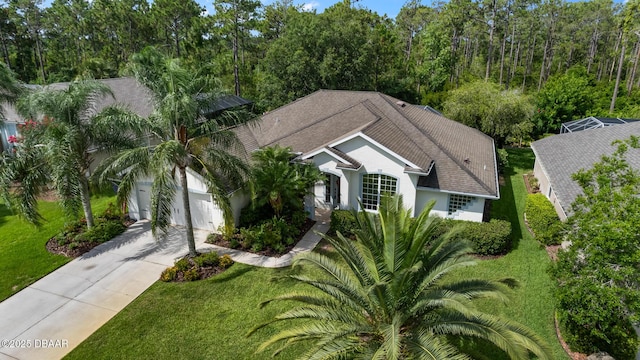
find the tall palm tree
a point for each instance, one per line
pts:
(57, 150)
(186, 139)
(387, 296)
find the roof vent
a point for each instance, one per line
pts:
(401, 103)
(466, 161)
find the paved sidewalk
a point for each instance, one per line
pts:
(52, 316)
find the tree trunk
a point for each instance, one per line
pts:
(187, 211)
(613, 65)
(615, 88)
(85, 198)
(504, 45)
(636, 59)
(491, 31)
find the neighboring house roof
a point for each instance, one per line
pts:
(129, 92)
(563, 155)
(592, 122)
(464, 157)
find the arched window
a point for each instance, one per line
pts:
(373, 186)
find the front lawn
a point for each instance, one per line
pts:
(24, 258)
(209, 319)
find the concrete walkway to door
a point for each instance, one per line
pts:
(52, 316)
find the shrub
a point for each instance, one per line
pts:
(593, 319)
(225, 261)
(111, 213)
(182, 264)
(104, 230)
(169, 274)
(191, 275)
(207, 259)
(503, 159)
(253, 215)
(543, 220)
(492, 238)
(342, 221)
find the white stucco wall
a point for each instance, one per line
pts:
(376, 160)
(424, 196)
(547, 189)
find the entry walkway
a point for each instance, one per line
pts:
(52, 316)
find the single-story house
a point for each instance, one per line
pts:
(368, 143)
(558, 157)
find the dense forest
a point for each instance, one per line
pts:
(547, 60)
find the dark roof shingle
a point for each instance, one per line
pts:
(563, 155)
(464, 157)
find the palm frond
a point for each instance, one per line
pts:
(426, 346)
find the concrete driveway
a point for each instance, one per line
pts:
(55, 314)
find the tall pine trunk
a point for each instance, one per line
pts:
(619, 74)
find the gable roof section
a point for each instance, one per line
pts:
(464, 157)
(563, 155)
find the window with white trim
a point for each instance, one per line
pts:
(373, 186)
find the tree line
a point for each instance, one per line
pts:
(276, 53)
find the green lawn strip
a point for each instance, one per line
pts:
(206, 319)
(531, 304)
(23, 256)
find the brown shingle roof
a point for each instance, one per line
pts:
(464, 157)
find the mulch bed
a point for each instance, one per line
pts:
(527, 183)
(219, 240)
(84, 247)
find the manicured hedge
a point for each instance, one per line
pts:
(492, 238)
(543, 220)
(342, 221)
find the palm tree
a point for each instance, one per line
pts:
(280, 182)
(186, 139)
(57, 150)
(387, 296)
(10, 88)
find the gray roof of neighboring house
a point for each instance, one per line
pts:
(134, 96)
(563, 155)
(464, 157)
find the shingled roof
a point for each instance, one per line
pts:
(463, 157)
(563, 155)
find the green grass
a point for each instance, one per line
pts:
(532, 303)
(209, 319)
(24, 258)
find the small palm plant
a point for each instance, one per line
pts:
(387, 296)
(280, 183)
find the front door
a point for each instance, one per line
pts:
(332, 190)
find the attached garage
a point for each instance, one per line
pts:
(205, 214)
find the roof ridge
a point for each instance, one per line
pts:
(321, 120)
(444, 150)
(395, 125)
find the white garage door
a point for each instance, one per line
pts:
(144, 201)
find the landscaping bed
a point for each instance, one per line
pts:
(75, 239)
(239, 241)
(201, 267)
